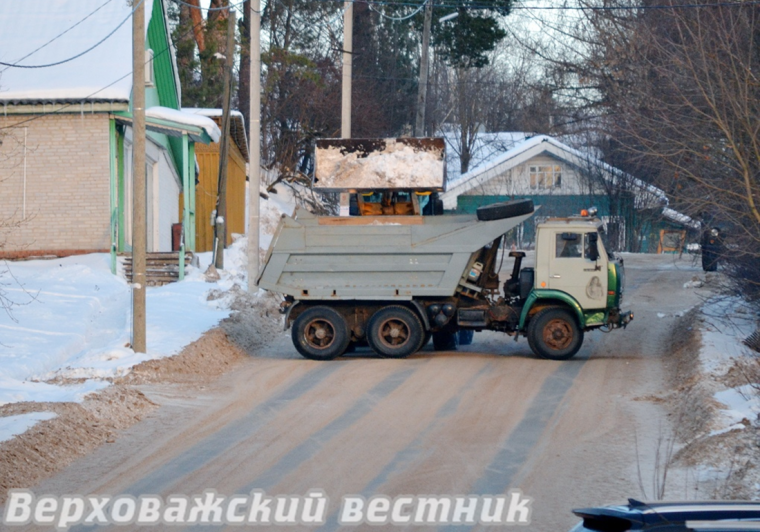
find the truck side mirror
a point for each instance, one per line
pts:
(592, 252)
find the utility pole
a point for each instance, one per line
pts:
(348, 50)
(139, 233)
(220, 224)
(254, 150)
(419, 124)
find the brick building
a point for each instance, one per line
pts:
(66, 136)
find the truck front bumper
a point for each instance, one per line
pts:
(625, 318)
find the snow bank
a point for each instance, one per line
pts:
(73, 321)
(727, 321)
(12, 425)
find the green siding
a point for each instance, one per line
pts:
(165, 91)
(555, 205)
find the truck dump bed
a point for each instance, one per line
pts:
(375, 257)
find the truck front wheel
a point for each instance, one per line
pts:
(553, 333)
(395, 332)
(320, 333)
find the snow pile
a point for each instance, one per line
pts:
(696, 282)
(280, 202)
(11, 426)
(73, 322)
(397, 166)
(70, 330)
(728, 321)
(742, 406)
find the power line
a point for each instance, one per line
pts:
(399, 18)
(223, 8)
(60, 34)
(12, 65)
(457, 5)
(66, 106)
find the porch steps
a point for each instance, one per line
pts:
(160, 268)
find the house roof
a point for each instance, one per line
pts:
(186, 119)
(486, 147)
(237, 125)
(40, 32)
(647, 195)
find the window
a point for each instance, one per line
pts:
(150, 79)
(588, 245)
(569, 245)
(545, 177)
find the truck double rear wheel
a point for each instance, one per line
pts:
(320, 333)
(553, 333)
(395, 332)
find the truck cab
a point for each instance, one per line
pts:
(576, 281)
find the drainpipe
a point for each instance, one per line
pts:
(186, 204)
(114, 192)
(23, 207)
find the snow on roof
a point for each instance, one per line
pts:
(680, 218)
(211, 112)
(486, 148)
(104, 73)
(237, 127)
(647, 195)
(188, 119)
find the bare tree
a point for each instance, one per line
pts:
(686, 105)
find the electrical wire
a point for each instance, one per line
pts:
(11, 65)
(60, 34)
(223, 8)
(172, 43)
(399, 19)
(457, 5)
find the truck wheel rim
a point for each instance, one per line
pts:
(394, 332)
(558, 334)
(319, 333)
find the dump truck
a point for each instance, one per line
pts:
(394, 281)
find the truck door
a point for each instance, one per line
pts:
(572, 270)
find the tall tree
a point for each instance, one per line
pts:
(201, 49)
(680, 100)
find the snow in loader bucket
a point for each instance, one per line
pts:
(372, 164)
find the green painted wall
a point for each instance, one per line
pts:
(166, 90)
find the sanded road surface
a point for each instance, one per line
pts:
(482, 421)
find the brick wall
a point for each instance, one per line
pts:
(67, 184)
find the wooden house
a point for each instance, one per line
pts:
(207, 181)
(562, 181)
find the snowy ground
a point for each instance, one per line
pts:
(69, 331)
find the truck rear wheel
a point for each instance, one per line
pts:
(553, 333)
(395, 332)
(320, 333)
